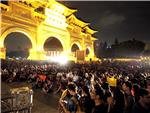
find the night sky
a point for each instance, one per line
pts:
(123, 20)
(115, 19)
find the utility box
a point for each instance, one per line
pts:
(20, 101)
(23, 98)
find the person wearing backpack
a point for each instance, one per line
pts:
(72, 103)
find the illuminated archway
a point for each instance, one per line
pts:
(19, 30)
(53, 44)
(56, 21)
(74, 48)
(17, 45)
(87, 51)
(9, 30)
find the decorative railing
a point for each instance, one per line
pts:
(53, 53)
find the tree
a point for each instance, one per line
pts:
(116, 41)
(105, 45)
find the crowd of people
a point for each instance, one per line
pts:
(84, 88)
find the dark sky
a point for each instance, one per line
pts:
(115, 19)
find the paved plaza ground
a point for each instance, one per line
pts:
(43, 103)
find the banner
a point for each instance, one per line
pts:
(80, 55)
(112, 81)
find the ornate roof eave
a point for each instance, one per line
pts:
(4, 7)
(83, 24)
(89, 30)
(67, 11)
(76, 21)
(35, 3)
(94, 38)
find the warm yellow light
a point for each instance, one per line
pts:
(58, 59)
(127, 59)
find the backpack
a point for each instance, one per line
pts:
(76, 102)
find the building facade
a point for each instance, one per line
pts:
(41, 20)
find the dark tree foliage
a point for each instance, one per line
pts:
(116, 41)
(130, 48)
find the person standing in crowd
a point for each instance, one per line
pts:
(85, 101)
(135, 90)
(129, 99)
(143, 105)
(72, 103)
(97, 94)
(108, 96)
(119, 102)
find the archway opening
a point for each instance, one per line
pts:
(74, 48)
(87, 51)
(17, 45)
(53, 44)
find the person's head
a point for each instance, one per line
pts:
(85, 90)
(71, 88)
(144, 96)
(69, 79)
(97, 93)
(105, 86)
(136, 87)
(127, 86)
(63, 86)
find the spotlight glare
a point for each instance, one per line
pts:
(58, 59)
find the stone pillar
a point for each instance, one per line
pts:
(32, 54)
(37, 55)
(41, 55)
(2, 53)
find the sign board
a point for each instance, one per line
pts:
(80, 55)
(112, 81)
